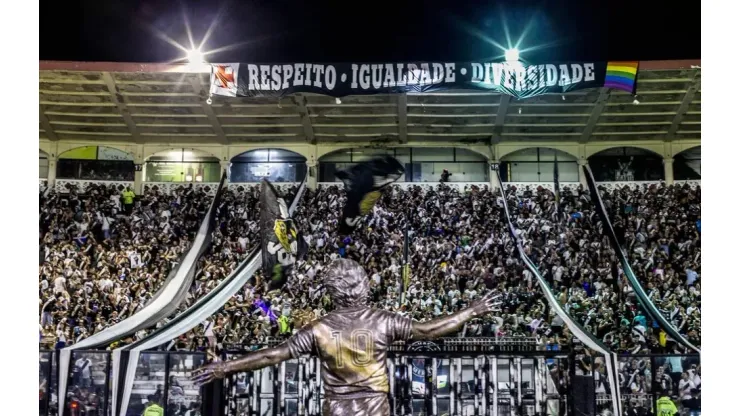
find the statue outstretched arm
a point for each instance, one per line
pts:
(252, 361)
(452, 323)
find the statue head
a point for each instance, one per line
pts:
(347, 283)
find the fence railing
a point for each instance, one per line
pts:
(209, 188)
(420, 383)
(454, 376)
(161, 376)
(63, 186)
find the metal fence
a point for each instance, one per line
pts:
(646, 378)
(466, 377)
(452, 376)
(161, 377)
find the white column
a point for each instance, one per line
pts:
(493, 181)
(139, 176)
(312, 170)
(668, 170)
(226, 167)
(581, 173)
(52, 174)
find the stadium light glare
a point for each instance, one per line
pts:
(512, 55)
(195, 56)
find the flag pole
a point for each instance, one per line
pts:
(406, 268)
(556, 179)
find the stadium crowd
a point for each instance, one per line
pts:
(98, 265)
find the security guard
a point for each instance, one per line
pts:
(128, 200)
(283, 324)
(153, 408)
(666, 406)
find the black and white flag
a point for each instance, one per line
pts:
(282, 243)
(363, 183)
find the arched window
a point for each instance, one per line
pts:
(537, 164)
(276, 165)
(422, 164)
(43, 165)
(687, 164)
(182, 165)
(626, 164)
(96, 163)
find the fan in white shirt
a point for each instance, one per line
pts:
(60, 285)
(684, 386)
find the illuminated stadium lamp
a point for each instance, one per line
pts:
(195, 56)
(512, 55)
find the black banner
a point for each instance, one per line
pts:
(337, 80)
(282, 243)
(363, 183)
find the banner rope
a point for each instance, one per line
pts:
(645, 301)
(576, 328)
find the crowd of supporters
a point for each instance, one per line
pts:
(99, 265)
(102, 258)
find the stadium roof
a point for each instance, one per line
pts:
(163, 103)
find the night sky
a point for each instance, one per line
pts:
(370, 31)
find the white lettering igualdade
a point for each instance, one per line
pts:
(376, 76)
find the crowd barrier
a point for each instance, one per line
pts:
(161, 375)
(450, 376)
(62, 185)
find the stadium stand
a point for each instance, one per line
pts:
(459, 248)
(102, 258)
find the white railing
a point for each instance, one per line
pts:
(644, 400)
(692, 184)
(63, 186)
(611, 186)
(209, 188)
(461, 186)
(522, 186)
(239, 187)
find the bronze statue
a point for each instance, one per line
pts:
(351, 343)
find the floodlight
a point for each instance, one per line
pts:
(512, 55)
(195, 56)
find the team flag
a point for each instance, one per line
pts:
(363, 183)
(282, 243)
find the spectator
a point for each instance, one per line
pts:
(665, 406)
(685, 386)
(83, 372)
(459, 248)
(128, 200)
(153, 408)
(694, 403)
(91, 278)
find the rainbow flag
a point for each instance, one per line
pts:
(621, 75)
